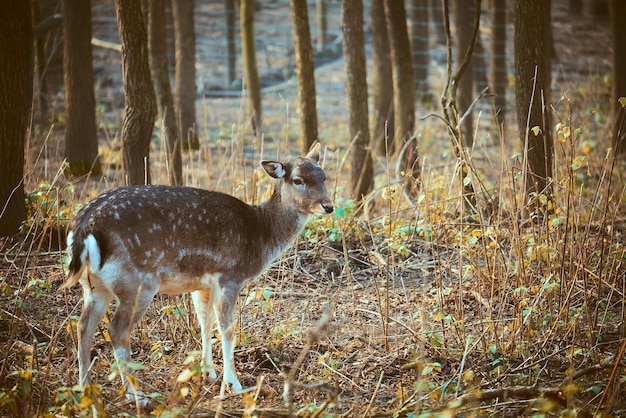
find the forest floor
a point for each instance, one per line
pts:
(401, 310)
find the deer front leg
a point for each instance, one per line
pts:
(203, 303)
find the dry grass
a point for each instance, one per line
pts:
(396, 312)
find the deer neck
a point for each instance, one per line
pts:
(282, 222)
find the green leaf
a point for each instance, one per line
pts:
(536, 130)
(622, 101)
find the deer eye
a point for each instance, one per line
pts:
(298, 181)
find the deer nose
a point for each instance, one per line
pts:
(328, 208)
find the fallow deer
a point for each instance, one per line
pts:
(134, 242)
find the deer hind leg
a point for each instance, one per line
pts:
(96, 299)
(131, 307)
(225, 298)
(203, 302)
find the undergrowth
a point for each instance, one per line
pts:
(419, 307)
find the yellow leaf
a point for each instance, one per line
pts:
(85, 401)
(184, 376)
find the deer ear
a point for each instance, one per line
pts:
(274, 169)
(314, 152)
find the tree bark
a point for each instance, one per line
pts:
(418, 31)
(532, 91)
(140, 104)
(463, 18)
(403, 92)
(185, 83)
(159, 68)
(305, 71)
(361, 172)
(618, 35)
(382, 82)
(16, 86)
(231, 47)
(81, 141)
(321, 22)
(497, 68)
(250, 72)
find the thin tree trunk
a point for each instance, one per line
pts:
(185, 83)
(463, 22)
(403, 93)
(250, 73)
(361, 173)
(41, 88)
(306, 72)
(231, 47)
(321, 22)
(418, 31)
(159, 68)
(497, 67)
(16, 86)
(618, 35)
(81, 142)
(382, 81)
(531, 91)
(140, 104)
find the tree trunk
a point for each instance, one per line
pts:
(403, 92)
(140, 104)
(81, 141)
(185, 83)
(41, 88)
(159, 68)
(531, 91)
(361, 173)
(497, 68)
(250, 73)
(618, 35)
(463, 17)
(418, 31)
(306, 72)
(16, 86)
(321, 22)
(231, 46)
(382, 81)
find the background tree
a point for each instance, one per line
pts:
(159, 68)
(497, 65)
(306, 72)
(361, 173)
(41, 87)
(321, 22)
(618, 35)
(250, 73)
(81, 141)
(418, 32)
(16, 86)
(532, 91)
(185, 83)
(231, 46)
(382, 81)
(463, 13)
(140, 104)
(403, 91)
